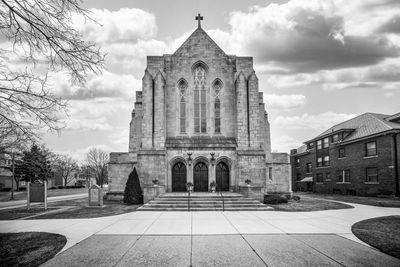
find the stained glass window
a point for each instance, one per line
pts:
(200, 101)
(182, 86)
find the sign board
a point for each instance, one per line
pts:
(37, 193)
(95, 196)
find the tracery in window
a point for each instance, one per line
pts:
(200, 122)
(217, 86)
(182, 86)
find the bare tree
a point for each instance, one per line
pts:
(40, 31)
(66, 166)
(97, 160)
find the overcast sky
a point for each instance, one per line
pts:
(318, 62)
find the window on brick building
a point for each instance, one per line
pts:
(328, 176)
(217, 86)
(370, 149)
(342, 152)
(200, 104)
(326, 161)
(320, 178)
(319, 162)
(182, 86)
(297, 164)
(319, 144)
(371, 175)
(325, 142)
(335, 138)
(298, 176)
(309, 167)
(310, 145)
(343, 176)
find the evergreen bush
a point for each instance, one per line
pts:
(133, 192)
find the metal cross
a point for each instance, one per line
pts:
(199, 19)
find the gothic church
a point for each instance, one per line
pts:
(200, 118)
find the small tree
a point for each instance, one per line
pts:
(133, 192)
(97, 160)
(66, 165)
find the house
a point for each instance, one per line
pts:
(360, 156)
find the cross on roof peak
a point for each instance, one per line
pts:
(199, 18)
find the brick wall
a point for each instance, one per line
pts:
(356, 162)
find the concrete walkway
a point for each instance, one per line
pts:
(323, 234)
(22, 203)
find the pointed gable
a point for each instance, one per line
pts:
(199, 40)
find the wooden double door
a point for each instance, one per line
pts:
(179, 177)
(200, 177)
(222, 177)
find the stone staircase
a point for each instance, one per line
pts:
(203, 202)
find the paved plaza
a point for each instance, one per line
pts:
(245, 238)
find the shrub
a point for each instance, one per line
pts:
(247, 181)
(274, 199)
(133, 192)
(296, 198)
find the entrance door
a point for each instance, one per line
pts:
(222, 177)
(200, 177)
(179, 177)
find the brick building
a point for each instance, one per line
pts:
(200, 118)
(360, 156)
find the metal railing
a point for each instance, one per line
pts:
(222, 197)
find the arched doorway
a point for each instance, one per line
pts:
(200, 177)
(222, 176)
(179, 177)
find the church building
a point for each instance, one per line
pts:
(200, 118)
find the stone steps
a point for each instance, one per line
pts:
(203, 202)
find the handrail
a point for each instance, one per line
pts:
(222, 196)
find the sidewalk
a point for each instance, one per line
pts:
(199, 238)
(22, 203)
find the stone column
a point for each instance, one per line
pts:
(147, 105)
(159, 111)
(254, 110)
(241, 104)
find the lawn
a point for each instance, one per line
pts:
(372, 201)
(29, 248)
(309, 204)
(382, 233)
(69, 209)
(21, 195)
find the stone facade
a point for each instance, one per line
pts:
(201, 108)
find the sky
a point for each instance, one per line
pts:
(318, 62)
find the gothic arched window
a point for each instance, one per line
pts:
(182, 86)
(217, 86)
(200, 122)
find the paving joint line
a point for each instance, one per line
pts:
(137, 239)
(293, 236)
(245, 240)
(191, 239)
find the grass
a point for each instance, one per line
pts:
(29, 248)
(21, 195)
(69, 209)
(382, 233)
(372, 201)
(309, 204)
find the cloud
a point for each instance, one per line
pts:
(319, 122)
(391, 26)
(305, 36)
(123, 25)
(274, 101)
(104, 85)
(285, 143)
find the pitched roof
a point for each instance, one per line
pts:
(199, 35)
(364, 125)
